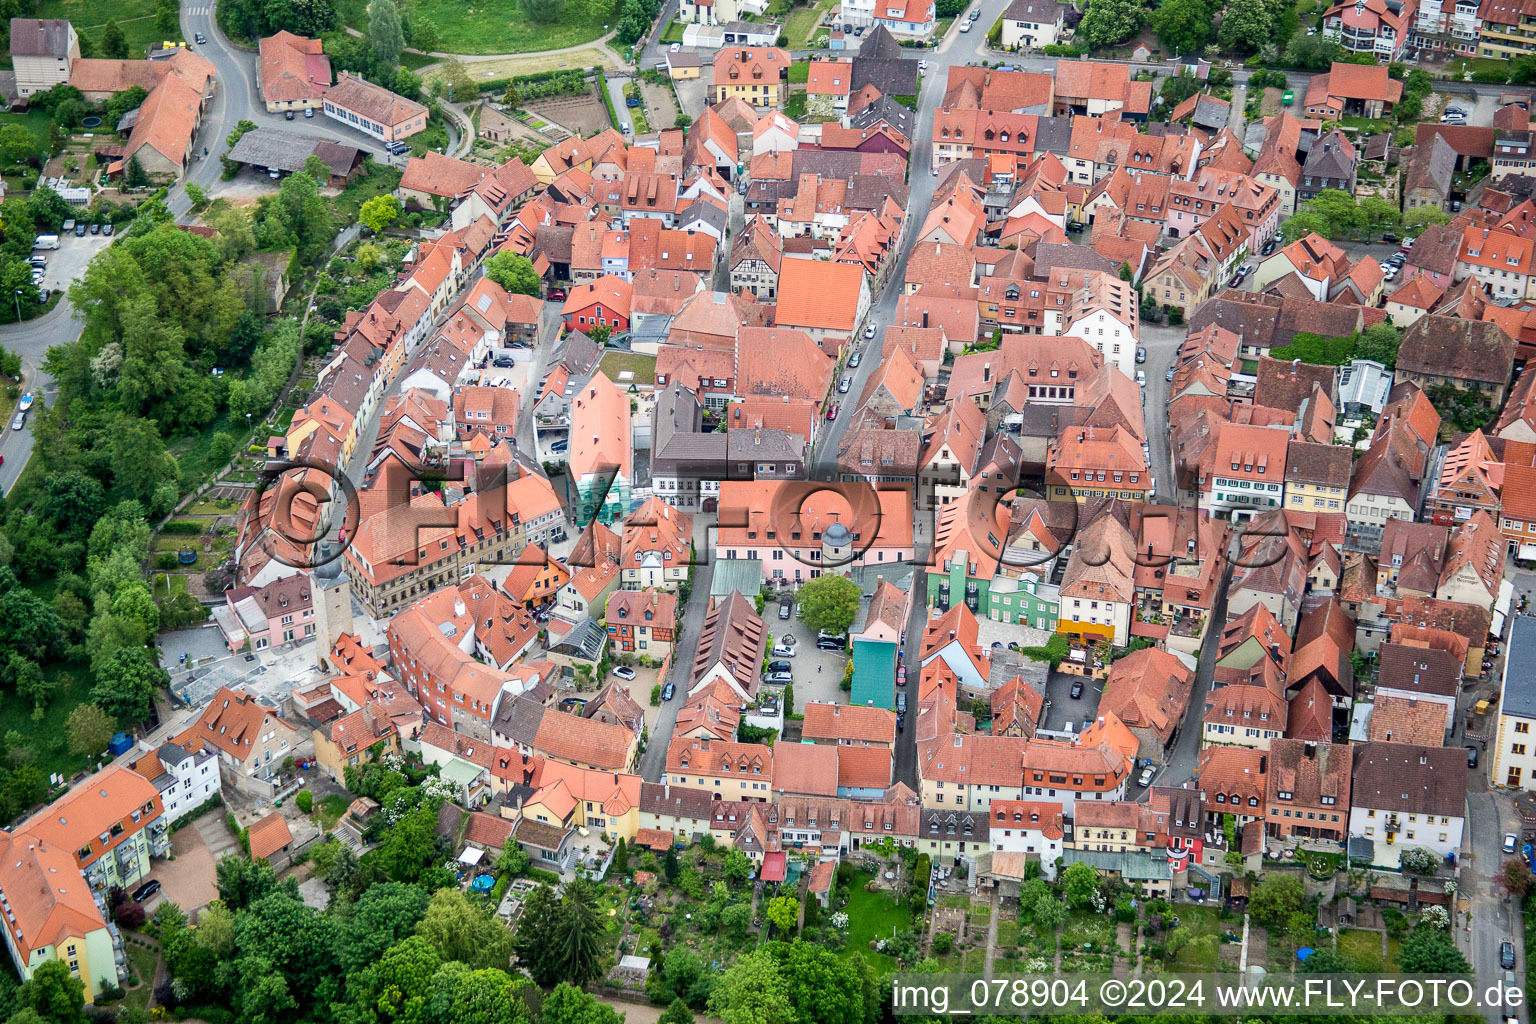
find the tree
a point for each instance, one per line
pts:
(384, 32)
(1110, 21)
(1326, 961)
(1246, 25)
(380, 212)
(1079, 884)
(830, 603)
(133, 174)
(1424, 216)
(386, 913)
(752, 991)
(296, 218)
(1182, 25)
(1379, 342)
(677, 1012)
(736, 919)
(53, 993)
(1416, 860)
(514, 859)
(1275, 899)
(459, 930)
(128, 683)
(568, 1004)
(621, 857)
(16, 144)
(784, 913)
(1515, 877)
(1429, 950)
(513, 272)
(410, 846)
(113, 43)
(737, 867)
(242, 881)
(1312, 53)
(90, 730)
(166, 18)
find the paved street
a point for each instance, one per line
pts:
(654, 762)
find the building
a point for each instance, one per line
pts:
(1149, 691)
(601, 462)
(1380, 28)
(1031, 24)
(373, 109)
(292, 73)
(760, 76)
(1247, 473)
(250, 739)
(1352, 90)
(729, 771)
(1513, 761)
(1404, 796)
(51, 913)
(184, 780)
(1471, 355)
(42, 52)
(642, 622)
(1308, 790)
(113, 822)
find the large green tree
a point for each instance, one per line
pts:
(829, 603)
(459, 930)
(513, 272)
(1183, 26)
(384, 32)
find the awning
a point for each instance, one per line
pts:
(774, 865)
(471, 856)
(1527, 551)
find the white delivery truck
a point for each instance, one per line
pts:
(46, 242)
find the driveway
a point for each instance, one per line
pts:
(817, 673)
(189, 881)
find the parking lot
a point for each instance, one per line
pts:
(816, 672)
(67, 263)
(1064, 711)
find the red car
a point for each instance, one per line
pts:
(557, 294)
(901, 675)
(832, 412)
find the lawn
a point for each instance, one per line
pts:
(802, 22)
(34, 121)
(1489, 67)
(135, 17)
(500, 28)
(800, 72)
(381, 179)
(673, 33)
(143, 962)
(873, 915)
(1202, 957)
(49, 737)
(642, 366)
(1362, 949)
(330, 809)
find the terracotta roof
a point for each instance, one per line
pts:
(1405, 720)
(864, 767)
(1149, 689)
(439, 175)
(848, 723)
(585, 741)
(230, 723)
(812, 771)
(374, 102)
(293, 68)
(47, 895)
(269, 835)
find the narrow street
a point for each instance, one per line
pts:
(654, 762)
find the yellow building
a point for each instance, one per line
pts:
(572, 797)
(51, 914)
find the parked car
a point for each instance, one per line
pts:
(1471, 757)
(1145, 778)
(855, 359)
(309, 112)
(1507, 955)
(288, 115)
(80, 230)
(901, 720)
(95, 229)
(1510, 839)
(844, 385)
(107, 229)
(965, 26)
(1141, 354)
(1141, 378)
(1387, 236)
(901, 703)
(869, 331)
(832, 412)
(1077, 690)
(667, 691)
(1075, 226)
(831, 643)
(559, 447)
(152, 886)
(779, 678)
(624, 672)
(781, 650)
(901, 675)
(1169, 375)
(18, 421)
(783, 611)
(779, 666)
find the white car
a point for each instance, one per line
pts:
(676, 47)
(965, 26)
(869, 332)
(624, 672)
(1510, 839)
(922, 65)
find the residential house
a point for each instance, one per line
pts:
(1404, 796)
(372, 109)
(250, 739)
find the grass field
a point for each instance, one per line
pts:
(873, 915)
(533, 64)
(35, 122)
(473, 28)
(1362, 949)
(135, 17)
(49, 738)
(802, 21)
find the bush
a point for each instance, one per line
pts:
(184, 527)
(305, 801)
(656, 696)
(943, 943)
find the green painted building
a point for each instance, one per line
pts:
(1026, 600)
